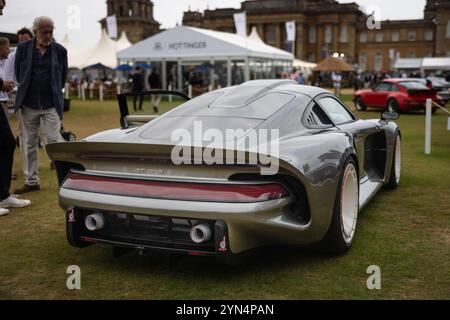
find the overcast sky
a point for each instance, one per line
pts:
(85, 31)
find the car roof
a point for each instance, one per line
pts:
(253, 99)
(397, 80)
(245, 89)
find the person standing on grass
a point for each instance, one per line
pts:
(155, 84)
(23, 35)
(301, 79)
(337, 80)
(7, 143)
(41, 71)
(138, 87)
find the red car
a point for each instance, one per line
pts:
(399, 95)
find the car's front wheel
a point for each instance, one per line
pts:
(359, 104)
(392, 106)
(342, 230)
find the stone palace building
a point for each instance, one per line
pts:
(325, 27)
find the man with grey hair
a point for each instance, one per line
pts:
(41, 71)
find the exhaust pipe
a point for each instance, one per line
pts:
(200, 233)
(94, 222)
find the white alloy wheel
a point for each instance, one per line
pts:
(349, 203)
(398, 159)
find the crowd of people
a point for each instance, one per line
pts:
(35, 74)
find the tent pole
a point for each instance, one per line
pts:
(229, 83)
(211, 75)
(147, 73)
(164, 74)
(180, 76)
(247, 69)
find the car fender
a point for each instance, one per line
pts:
(317, 162)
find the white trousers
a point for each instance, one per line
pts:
(32, 121)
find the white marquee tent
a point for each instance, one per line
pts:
(254, 35)
(104, 52)
(187, 44)
(442, 63)
(304, 67)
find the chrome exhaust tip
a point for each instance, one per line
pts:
(94, 222)
(200, 233)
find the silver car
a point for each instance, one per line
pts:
(123, 187)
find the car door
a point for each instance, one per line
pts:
(346, 121)
(380, 95)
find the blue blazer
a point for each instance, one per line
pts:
(23, 65)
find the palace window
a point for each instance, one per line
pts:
(363, 61)
(395, 36)
(312, 35)
(378, 62)
(412, 36)
(379, 37)
(448, 29)
(344, 34)
(363, 37)
(429, 35)
(271, 34)
(328, 34)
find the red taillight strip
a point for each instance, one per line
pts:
(176, 190)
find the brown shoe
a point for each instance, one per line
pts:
(27, 188)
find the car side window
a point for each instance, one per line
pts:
(382, 87)
(317, 118)
(394, 88)
(336, 111)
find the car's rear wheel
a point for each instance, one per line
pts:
(396, 168)
(392, 106)
(342, 230)
(359, 104)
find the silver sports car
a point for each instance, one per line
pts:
(268, 162)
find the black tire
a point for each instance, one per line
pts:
(392, 105)
(359, 104)
(334, 241)
(394, 179)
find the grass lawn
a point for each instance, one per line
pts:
(406, 232)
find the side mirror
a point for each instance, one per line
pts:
(389, 116)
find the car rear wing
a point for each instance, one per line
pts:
(127, 120)
(153, 159)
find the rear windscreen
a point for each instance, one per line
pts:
(223, 104)
(411, 85)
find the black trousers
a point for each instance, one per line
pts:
(7, 146)
(141, 101)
